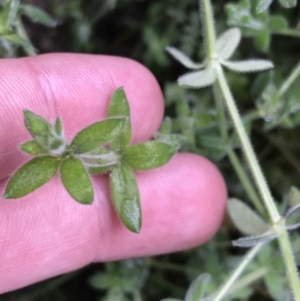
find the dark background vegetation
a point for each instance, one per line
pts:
(141, 30)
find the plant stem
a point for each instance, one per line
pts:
(289, 32)
(289, 261)
(290, 80)
(208, 21)
(277, 222)
(248, 279)
(261, 185)
(226, 287)
(247, 147)
(234, 160)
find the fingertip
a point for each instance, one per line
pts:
(183, 204)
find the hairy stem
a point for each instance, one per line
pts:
(224, 290)
(261, 184)
(247, 147)
(277, 222)
(208, 21)
(234, 159)
(290, 80)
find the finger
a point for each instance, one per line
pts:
(47, 233)
(75, 87)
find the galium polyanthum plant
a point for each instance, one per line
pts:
(102, 147)
(258, 231)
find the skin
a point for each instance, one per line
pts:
(47, 233)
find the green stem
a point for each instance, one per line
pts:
(208, 21)
(289, 260)
(277, 222)
(237, 272)
(288, 32)
(234, 160)
(290, 80)
(261, 185)
(247, 147)
(248, 279)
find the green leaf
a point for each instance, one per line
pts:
(58, 126)
(251, 241)
(261, 82)
(245, 219)
(38, 127)
(197, 288)
(262, 40)
(166, 126)
(8, 15)
(294, 196)
(277, 23)
(170, 299)
(249, 65)
(37, 15)
(148, 155)
(31, 176)
(288, 3)
(96, 135)
(12, 37)
(32, 148)
(126, 197)
(228, 42)
(292, 218)
(183, 59)
(119, 107)
(263, 5)
(198, 79)
(77, 181)
(176, 140)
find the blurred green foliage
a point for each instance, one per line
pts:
(271, 112)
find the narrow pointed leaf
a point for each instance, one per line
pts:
(77, 181)
(37, 15)
(288, 3)
(263, 5)
(126, 197)
(38, 127)
(148, 155)
(58, 126)
(183, 59)
(32, 148)
(176, 140)
(12, 37)
(198, 79)
(166, 126)
(294, 196)
(277, 23)
(96, 135)
(31, 176)
(292, 218)
(251, 241)
(119, 107)
(245, 219)
(228, 42)
(197, 288)
(249, 65)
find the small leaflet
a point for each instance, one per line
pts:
(183, 59)
(198, 79)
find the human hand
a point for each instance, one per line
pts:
(46, 233)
